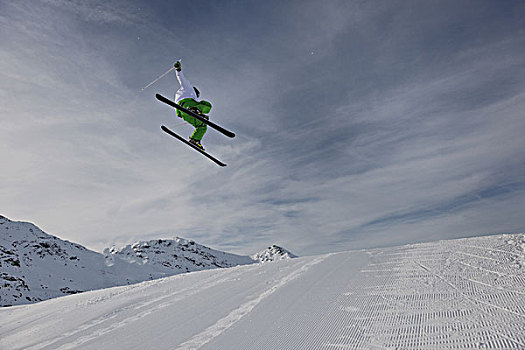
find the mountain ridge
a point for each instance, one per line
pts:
(36, 266)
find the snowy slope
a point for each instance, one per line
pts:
(467, 293)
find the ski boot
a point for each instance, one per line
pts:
(196, 143)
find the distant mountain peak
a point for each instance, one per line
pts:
(273, 253)
(177, 255)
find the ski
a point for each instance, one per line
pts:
(168, 131)
(195, 115)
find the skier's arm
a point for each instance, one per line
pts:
(184, 83)
(186, 88)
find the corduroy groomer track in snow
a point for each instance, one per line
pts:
(457, 294)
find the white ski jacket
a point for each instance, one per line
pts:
(186, 88)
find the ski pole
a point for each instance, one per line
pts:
(154, 81)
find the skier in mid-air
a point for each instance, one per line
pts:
(187, 97)
(192, 111)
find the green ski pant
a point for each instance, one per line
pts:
(200, 127)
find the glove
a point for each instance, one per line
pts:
(177, 66)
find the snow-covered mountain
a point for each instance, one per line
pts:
(176, 256)
(36, 266)
(457, 294)
(273, 253)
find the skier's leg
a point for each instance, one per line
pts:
(198, 133)
(186, 103)
(200, 130)
(204, 107)
(200, 127)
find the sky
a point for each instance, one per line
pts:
(359, 123)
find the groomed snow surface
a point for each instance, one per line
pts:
(457, 294)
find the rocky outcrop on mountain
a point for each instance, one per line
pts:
(176, 256)
(273, 253)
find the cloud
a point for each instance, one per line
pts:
(102, 12)
(404, 125)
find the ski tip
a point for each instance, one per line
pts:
(162, 98)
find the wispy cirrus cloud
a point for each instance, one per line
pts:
(359, 124)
